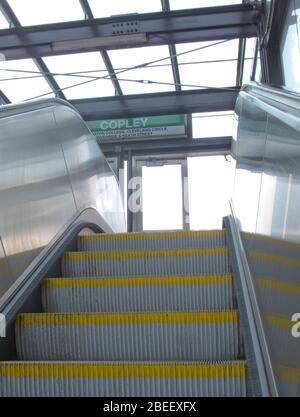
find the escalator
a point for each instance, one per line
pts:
(93, 311)
(142, 314)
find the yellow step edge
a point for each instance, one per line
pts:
(90, 319)
(279, 321)
(152, 253)
(118, 370)
(278, 285)
(152, 235)
(99, 282)
(275, 259)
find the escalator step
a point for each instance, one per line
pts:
(159, 336)
(178, 293)
(88, 379)
(152, 240)
(148, 262)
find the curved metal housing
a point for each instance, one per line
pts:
(266, 205)
(52, 169)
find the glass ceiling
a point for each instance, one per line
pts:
(84, 75)
(39, 12)
(17, 89)
(92, 64)
(211, 64)
(106, 8)
(161, 76)
(3, 22)
(192, 4)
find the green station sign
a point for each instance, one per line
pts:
(152, 127)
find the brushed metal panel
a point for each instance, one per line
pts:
(50, 169)
(267, 189)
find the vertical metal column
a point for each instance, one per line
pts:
(129, 177)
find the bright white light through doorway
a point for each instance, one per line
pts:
(210, 189)
(162, 197)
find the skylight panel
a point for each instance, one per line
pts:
(33, 83)
(250, 47)
(192, 4)
(86, 66)
(207, 51)
(3, 22)
(118, 7)
(214, 65)
(249, 57)
(159, 74)
(212, 124)
(38, 12)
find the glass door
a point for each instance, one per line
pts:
(161, 194)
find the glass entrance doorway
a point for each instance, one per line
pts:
(163, 192)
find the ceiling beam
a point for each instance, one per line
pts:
(168, 146)
(161, 28)
(183, 102)
(107, 62)
(42, 67)
(172, 51)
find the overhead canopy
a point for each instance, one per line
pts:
(68, 49)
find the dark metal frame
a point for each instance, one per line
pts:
(165, 4)
(183, 102)
(3, 98)
(161, 28)
(270, 36)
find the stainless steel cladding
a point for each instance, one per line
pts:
(51, 170)
(267, 206)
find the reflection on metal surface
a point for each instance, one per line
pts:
(51, 169)
(266, 201)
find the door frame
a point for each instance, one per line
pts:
(160, 160)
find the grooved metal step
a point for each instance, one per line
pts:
(146, 263)
(178, 293)
(158, 336)
(88, 379)
(152, 240)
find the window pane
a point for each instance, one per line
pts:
(162, 198)
(117, 7)
(250, 47)
(249, 57)
(207, 125)
(79, 63)
(210, 187)
(158, 74)
(197, 69)
(291, 47)
(192, 4)
(247, 70)
(38, 12)
(18, 90)
(258, 69)
(3, 22)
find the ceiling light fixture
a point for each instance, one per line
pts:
(103, 41)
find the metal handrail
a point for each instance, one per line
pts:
(31, 105)
(278, 95)
(268, 386)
